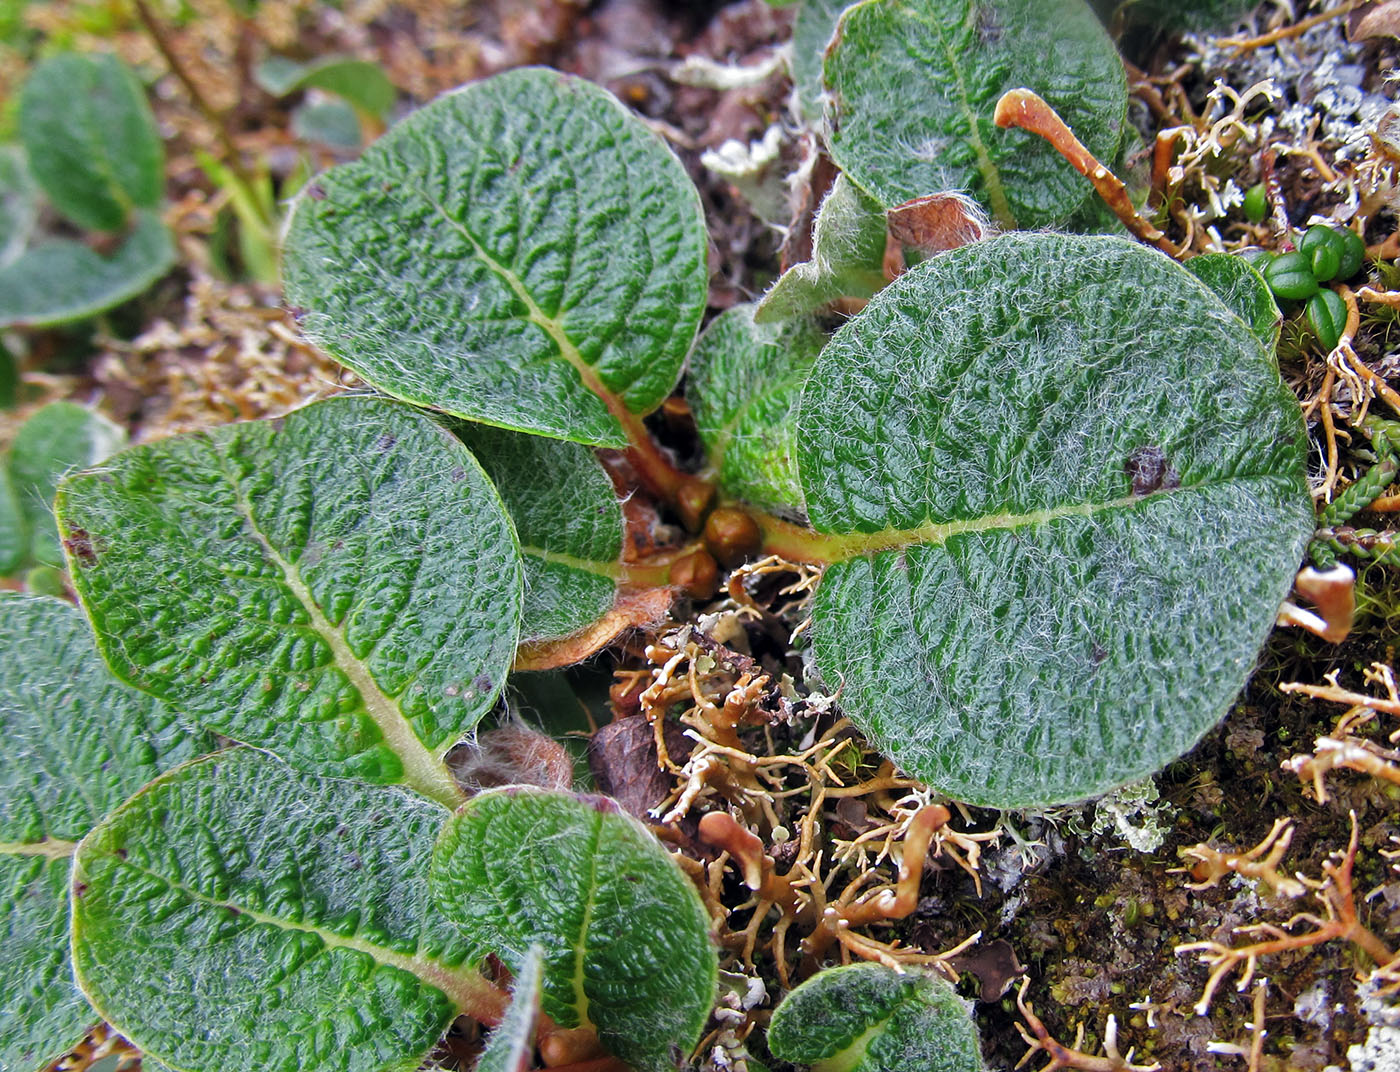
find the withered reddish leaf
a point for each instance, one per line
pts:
(631, 610)
(937, 223)
(1377, 18)
(994, 964)
(622, 757)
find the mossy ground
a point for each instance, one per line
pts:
(1095, 921)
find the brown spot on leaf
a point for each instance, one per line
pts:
(316, 192)
(80, 546)
(989, 28)
(385, 443)
(1148, 469)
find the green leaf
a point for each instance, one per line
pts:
(625, 936)
(869, 1018)
(18, 203)
(914, 84)
(1243, 289)
(91, 139)
(77, 743)
(358, 82)
(62, 280)
(569, 522)
(848, 257)
(60, 437)
(538, 259)
(744, 386)
(15, 540)
(512, 1044)
(340, 586)
(811, 33)
(332, 123)
(1066, 487)
(237, 913)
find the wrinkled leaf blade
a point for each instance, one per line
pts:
(1242, 288)
(539, 259)
(57, 439)
(914, 85)
(625, 936)
(811, 33)
(238, 912)
(569, 522)
(340, 586)
(1020, 615)
(867, 1018)
(61, 280)
(744, 385)
(77, 743)
(91, 139)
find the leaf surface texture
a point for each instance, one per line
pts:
(1067, 485)
(522, 252)
(341, 586)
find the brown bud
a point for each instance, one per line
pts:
(693, 502)
(732, 536)
(696, 574)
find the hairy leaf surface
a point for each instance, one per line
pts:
(58, 438)
(1242, 288)
(870, 1018)
(569, 522)
(512, 1044)
(744, 385)
(914, 84)
(848, 257)
(341, 586)
(1066, 487)
(77, 743)
(239, 913)
(61, 279)
(522, 252)
(91, 139)
(625, 937)
(811, 33)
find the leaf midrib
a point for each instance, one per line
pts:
(49, 848)
(629, 422)
(840, 546)
(849, 1056)
(991, 174)
(465, 987)
(590, 900)
(603, 568)
(422, 769)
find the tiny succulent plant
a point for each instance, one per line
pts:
(1002, 466)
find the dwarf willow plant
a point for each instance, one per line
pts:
(89, 142)
(1018, 466)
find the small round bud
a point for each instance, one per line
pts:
(732, 536)
(696, 574)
